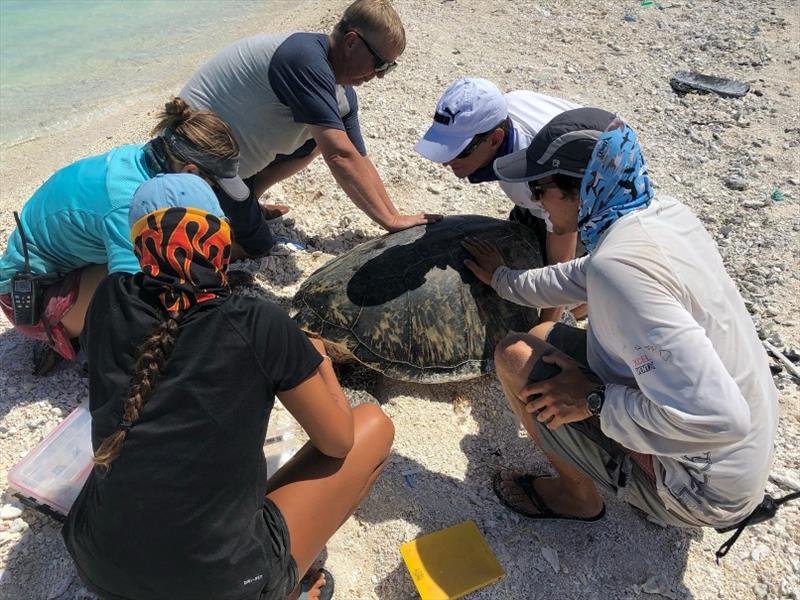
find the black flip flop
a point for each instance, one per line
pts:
(525, 483)
(325, 592)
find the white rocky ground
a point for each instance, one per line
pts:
(723, 157)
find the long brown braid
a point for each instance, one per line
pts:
(152, 356)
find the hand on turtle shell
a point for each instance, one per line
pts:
(401, 222)
(561, 399)
(487, 259)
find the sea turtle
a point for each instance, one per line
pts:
(404, 304)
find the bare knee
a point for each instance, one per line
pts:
(374, 431)
(512, 353)
(516, 354)
(543, 329)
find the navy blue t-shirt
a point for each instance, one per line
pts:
(302, 78)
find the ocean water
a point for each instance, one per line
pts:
(64, 60)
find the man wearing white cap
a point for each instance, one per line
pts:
(474, 124)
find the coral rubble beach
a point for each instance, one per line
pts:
(723, 157)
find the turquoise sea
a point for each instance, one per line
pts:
(62, 60)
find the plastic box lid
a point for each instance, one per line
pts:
(51, 476)
(53, 473)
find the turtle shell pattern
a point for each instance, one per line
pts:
(404, 304)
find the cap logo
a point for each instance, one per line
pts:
(439, 117)
(556, 163)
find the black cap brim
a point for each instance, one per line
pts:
(563, 146)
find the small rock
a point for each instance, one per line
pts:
(551, 556)
(760, 590)
(759, 552)
(10, 511)
(657, 584)
(753, 204)
(434, 190)
(786, 479)
(17, 526)
(736, 183)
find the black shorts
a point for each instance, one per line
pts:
(250, 230)
(282, 568)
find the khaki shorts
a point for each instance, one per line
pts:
(626, 474)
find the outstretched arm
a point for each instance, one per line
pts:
(359, 179)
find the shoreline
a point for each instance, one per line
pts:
(25, 164)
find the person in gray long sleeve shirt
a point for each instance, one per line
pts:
(666, 399)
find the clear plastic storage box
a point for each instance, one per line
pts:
(51, 475)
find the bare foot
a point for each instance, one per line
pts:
(553, 493)
(314, 590)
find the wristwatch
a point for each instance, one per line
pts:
(595, 400)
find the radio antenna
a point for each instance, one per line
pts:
(24, 242)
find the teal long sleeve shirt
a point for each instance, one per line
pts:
(79, 217)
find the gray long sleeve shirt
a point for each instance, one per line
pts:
(687, 379)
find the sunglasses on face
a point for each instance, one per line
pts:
(537, 188)
(473, 145)
(381, 65)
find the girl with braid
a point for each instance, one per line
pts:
(182, 379)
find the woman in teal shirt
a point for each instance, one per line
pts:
(76, 224)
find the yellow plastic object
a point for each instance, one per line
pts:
(451, 563)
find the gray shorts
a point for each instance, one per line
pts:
(585, 446)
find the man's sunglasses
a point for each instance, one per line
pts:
(381, 65)
(473, 145)
(537, 188)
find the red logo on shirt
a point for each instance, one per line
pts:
(642, 364)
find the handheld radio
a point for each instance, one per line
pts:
(26, 291)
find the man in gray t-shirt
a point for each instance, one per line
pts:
(290, 97)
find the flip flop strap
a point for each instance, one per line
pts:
(526, 484)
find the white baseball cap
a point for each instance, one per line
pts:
(468, 107)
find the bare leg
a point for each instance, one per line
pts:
(74, 318)
(317, 493)
(572, 492)
(580, 312)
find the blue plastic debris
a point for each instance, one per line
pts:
(408, 476)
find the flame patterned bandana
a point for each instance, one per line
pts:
(184, 255)
(615, 183)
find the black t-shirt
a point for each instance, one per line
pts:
(179, 515)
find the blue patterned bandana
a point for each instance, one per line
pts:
(614, 184)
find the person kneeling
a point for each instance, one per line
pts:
(666, 399)
(182, 379)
